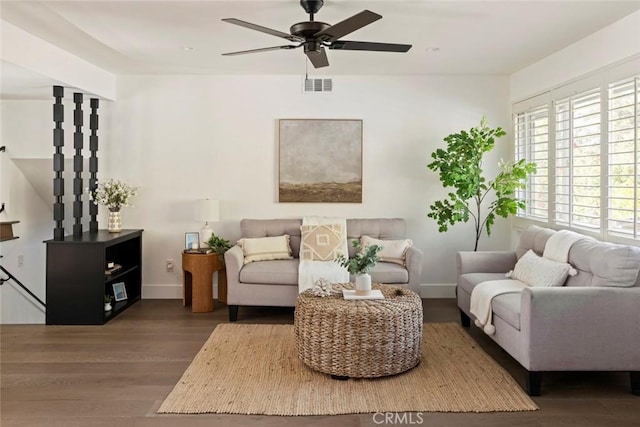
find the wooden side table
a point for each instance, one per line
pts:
(197, 288)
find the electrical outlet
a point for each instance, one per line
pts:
(20, 260)
(170, 266)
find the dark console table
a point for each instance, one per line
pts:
(77, 281)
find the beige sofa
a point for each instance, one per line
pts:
(275, 282)
(592, 323)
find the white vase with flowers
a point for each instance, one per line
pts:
(114, 195)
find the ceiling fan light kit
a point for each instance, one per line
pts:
(314, 36)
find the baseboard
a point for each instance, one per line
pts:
(437, 290)
(168, 291)
(162, 291)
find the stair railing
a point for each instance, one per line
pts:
(12, 277)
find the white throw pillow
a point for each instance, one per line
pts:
(392, 250)
(321, 242)
(265, 248)
(538, 271)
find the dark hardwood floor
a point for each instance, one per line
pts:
(119, 373)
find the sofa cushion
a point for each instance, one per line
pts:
(379, 228)
(392, 250)
(535, 238)
(265, 248)
(321, 242)
(273, 227)
(539, 271)
(276, 272)
(604, 264)
(387, 272)
(469, 281)
(507, 307)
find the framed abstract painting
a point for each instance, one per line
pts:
(320, 161)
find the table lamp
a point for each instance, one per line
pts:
(207, 210)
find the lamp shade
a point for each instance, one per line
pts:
(207, 210)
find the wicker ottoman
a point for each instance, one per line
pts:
(359, 338)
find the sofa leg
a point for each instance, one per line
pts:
(634, 376)
(534, 383)
(464, 319)
(233, 313)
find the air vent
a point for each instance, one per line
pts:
(317, 85)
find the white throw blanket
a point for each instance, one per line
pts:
(310, 271)
(558, 246)
(484, 293)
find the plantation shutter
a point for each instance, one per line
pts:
(577, 168)
(624, 157)
(531, 130)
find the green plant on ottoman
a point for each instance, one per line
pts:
(460, 167)
(360, 265)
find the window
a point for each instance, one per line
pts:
(624, 158)
(532, 144)
(577, 183)
(584, 138)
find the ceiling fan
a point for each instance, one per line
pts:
(314, 36)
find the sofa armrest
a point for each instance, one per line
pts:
(413, 259)
(233, 260)
(581, 328)
(485, 262)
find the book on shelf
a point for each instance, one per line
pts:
(111, 270)
(198, 251)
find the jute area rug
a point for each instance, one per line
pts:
(254, 369)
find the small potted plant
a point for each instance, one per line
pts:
(219, 245)
(360, 265)
(107, 302)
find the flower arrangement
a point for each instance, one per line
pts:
(364, 260)
(113, 194)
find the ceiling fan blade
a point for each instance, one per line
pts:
(318, 57)
(370, 46)
(347, 26)
(262, 29)
(264, 49)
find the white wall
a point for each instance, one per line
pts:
(186, 137)
(616, 42)
(23, 257)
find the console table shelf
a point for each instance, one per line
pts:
(76, 278)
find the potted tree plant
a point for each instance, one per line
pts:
(460, 167)
(360, 265)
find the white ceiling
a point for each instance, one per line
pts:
(473, 37)
(20, 83)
